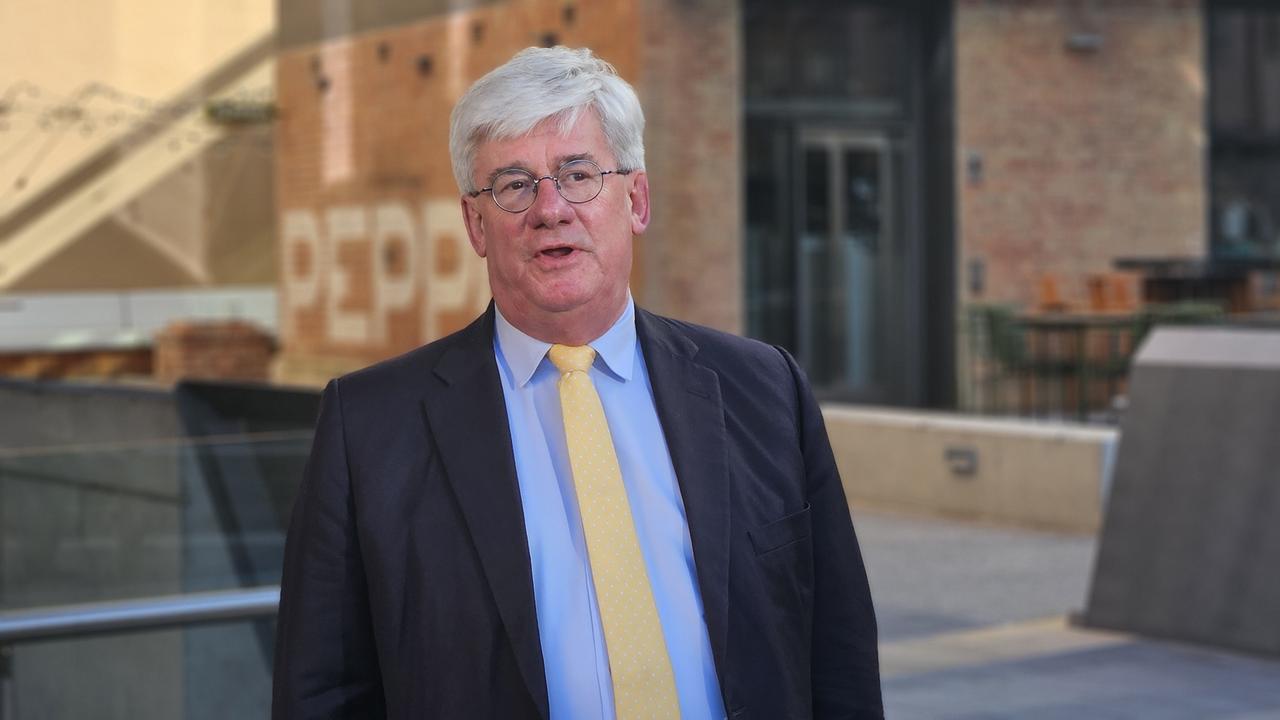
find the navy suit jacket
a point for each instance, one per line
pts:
(407, 588)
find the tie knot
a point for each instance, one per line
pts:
(567, 359)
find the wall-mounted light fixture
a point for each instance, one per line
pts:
(1084, 30)
(1084, 42)
(973, 167)
(317, 74)
(977, 276)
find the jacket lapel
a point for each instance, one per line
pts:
(687, 396)
(468, 418)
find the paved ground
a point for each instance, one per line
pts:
(972, 625)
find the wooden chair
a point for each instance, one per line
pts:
(1049, 294)
(1114, 292)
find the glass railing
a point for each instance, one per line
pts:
(139, 579)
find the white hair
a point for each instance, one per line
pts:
(538, 84)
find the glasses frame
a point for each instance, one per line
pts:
(555, 180)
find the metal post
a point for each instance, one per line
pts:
(6, 683)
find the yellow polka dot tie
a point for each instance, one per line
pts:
(643, 683)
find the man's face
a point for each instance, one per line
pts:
(558, 268)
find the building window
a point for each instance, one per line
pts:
(1244, 121)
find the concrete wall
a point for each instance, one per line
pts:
(1014, 472)
(1190, 546)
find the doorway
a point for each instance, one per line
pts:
(849, 254)
(849, 164)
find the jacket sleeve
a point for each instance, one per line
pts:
(325, 660)
(845, 666)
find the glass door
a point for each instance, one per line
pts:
(851, 281)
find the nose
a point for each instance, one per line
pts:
(549, 208)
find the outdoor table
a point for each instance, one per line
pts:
(1220, 279)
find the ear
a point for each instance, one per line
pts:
(639, 202)
(475, 224)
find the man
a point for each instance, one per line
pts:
(572, 508)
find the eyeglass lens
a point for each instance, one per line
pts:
(577, 181)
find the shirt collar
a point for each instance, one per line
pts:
(616, 348)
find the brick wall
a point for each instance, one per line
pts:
(1085, 156)
(212, 351)
(87, 363)
(374, 256)
(690, 84)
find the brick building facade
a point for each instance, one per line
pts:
(998, 141)
(374, 255)
(1072, 156)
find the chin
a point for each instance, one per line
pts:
(568, 297)
(565, 298)
(560, 304)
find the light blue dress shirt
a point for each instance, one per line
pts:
(573, 646)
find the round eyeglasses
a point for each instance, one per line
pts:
(577, 181)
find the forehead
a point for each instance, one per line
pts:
(545, 147)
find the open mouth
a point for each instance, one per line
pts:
(557, 252)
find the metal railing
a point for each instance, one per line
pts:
(1068, 365)
(154, 613)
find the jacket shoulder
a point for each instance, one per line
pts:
(724, 351)
(401, 374)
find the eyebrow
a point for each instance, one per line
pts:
(563, 160)
(521, 166)
(518, 167)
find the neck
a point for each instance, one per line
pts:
(575, 327)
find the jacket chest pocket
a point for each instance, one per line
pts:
(780, 533)
(782, 596)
